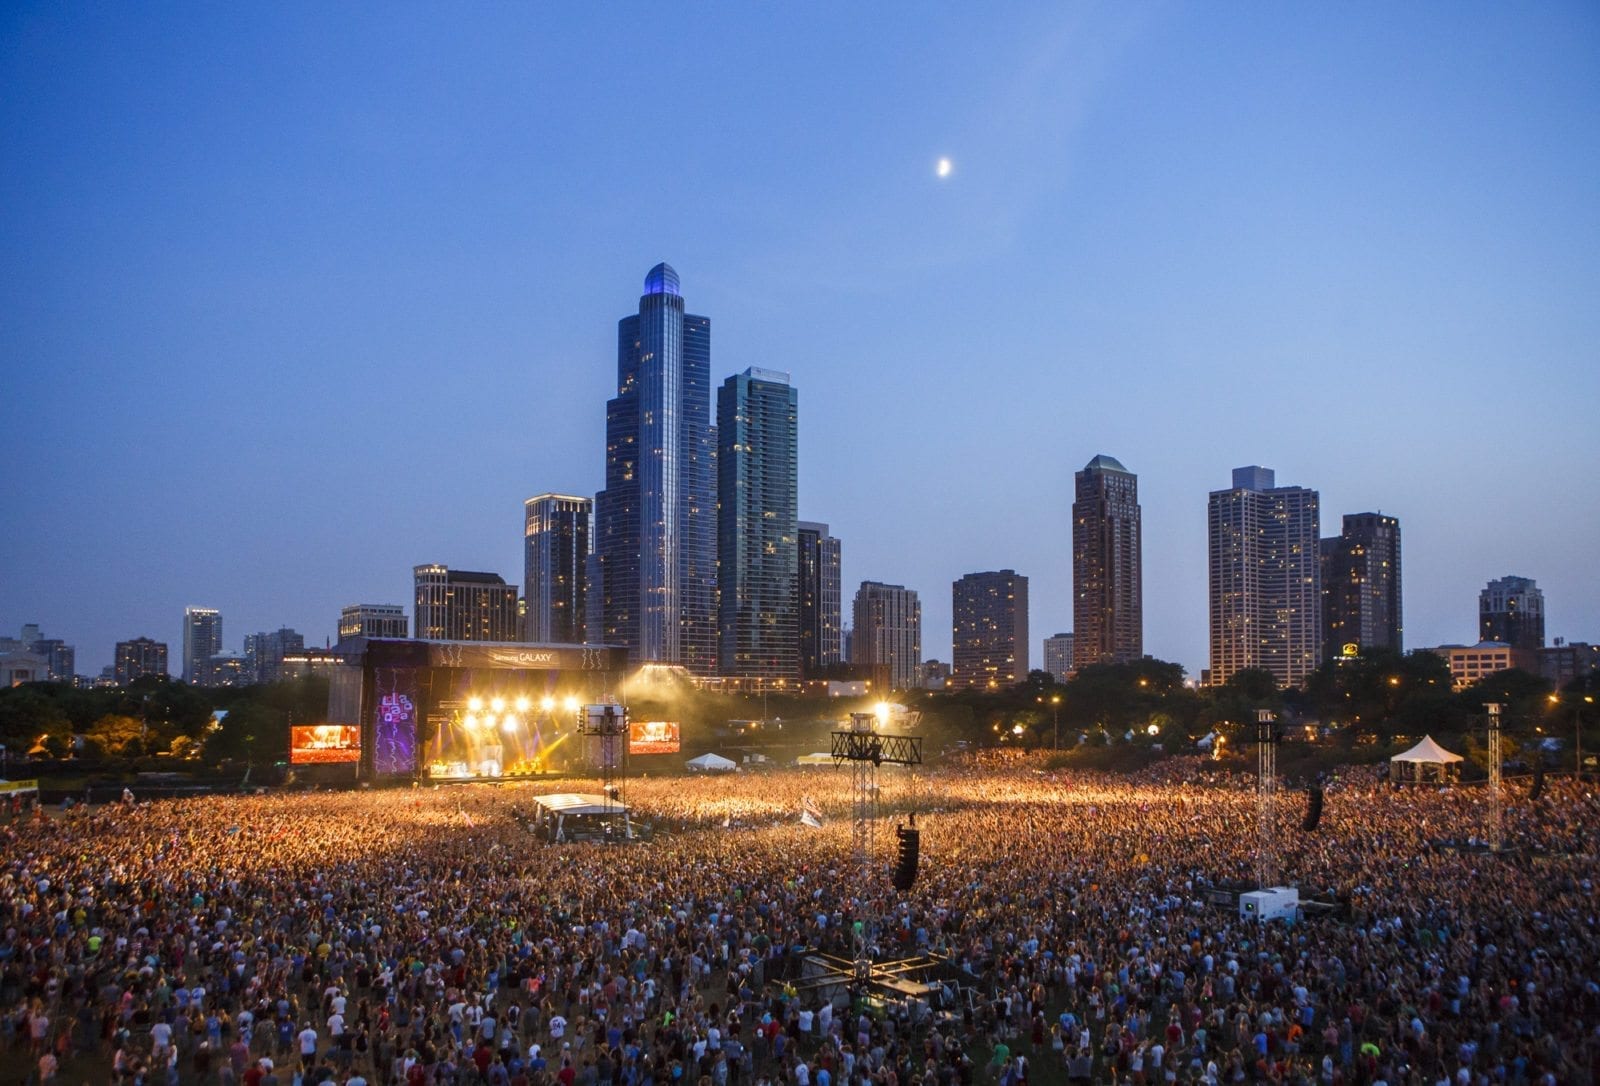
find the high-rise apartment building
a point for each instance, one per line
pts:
(1361, 586)
(555, 555)
(264, 653)
(758, 555)
(1058, 656)
(821, 598)
(1107, 595)
(1265, 582)
(202, 639)
(140, 657)
(374, 620)
(886, 625)
(457, 605)
(653, 578)
(1511, 611)
(989, 630)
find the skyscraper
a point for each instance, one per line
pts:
(264, 653)
(202, 639)
(887, 634)
(758, 572)
(1107, 595)
(1265, 581)
(458, 605)
(989, 630)
(1058, 656)
(373, 620)
(653, 580)
(821, 598)
(1361, 586)
(1511, 611)
(138, 658)
(555, 556)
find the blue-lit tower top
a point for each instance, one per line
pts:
(662, 279)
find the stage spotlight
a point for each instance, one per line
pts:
(498, 704)
(572, 705)
(475, 703)
(470, 720)
(547, 703)
(509, 724)
(522, 705)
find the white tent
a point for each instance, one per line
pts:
(1420, 757)
(711, 763)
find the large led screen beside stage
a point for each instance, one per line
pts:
(324, 744)
(653, 737)
(394, 721)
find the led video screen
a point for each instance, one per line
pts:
(324, 744)
(653, 737)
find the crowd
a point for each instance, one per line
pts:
(423, 937)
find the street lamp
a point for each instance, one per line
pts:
(1055, 723)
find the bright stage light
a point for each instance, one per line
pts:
(572, 705)
(498, 704)
(475, 703)
(547, 703)
(509, 724)
(522, 705)
(882, 711)
(470, 720)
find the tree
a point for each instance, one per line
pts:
(117, 734)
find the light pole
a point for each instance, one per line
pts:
(1055, 724)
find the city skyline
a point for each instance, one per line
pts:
(1343, 261)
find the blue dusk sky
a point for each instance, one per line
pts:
(296, 296)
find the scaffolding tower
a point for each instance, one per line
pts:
(865, 749)
(1495, 826)
(1266, 794)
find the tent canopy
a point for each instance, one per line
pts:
(712, 763)
(1427, 752)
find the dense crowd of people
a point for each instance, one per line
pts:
(423, 937)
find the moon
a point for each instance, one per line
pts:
(944, 167)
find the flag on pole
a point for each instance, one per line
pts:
(810, 813)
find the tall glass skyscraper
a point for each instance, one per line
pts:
(653, 580)
(202, 639)
(757, 525)
(1361, 586)
(1107, 591)
(555, 556)
(821, 598)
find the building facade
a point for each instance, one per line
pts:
(1058, 656)
(886, 625)
(989, 630)
(555, 555)
(1361, 586)
(1511, 611)
(1470, 663)
(1265, 578)
(653, 578)
(1107, 560)
(140, 657)
(758, 546)
(821, 598)
(457, 605)
(374, 620)
(264, 653)
(202, 639)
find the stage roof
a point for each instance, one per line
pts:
(580, 803)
